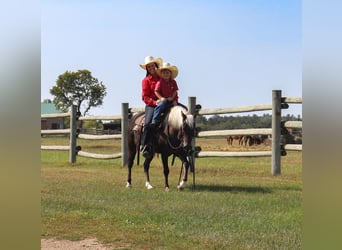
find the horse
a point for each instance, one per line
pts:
(174, 137)
(230, 140)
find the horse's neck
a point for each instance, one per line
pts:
(172, 131)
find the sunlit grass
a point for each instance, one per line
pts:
(236, 203)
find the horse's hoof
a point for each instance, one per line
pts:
(167, 189)
(181, 185)
(148, 185)
(128, 185)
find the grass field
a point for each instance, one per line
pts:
(237, 203)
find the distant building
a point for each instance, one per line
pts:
(47, 107)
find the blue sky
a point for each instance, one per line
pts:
(229, 53)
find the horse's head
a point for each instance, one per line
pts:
(181, 122)
(188, 132)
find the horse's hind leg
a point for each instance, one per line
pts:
(131, 155)
(129, 175)
(146, 171)
(166, 171)
(129, 178)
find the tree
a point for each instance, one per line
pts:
(79, 88)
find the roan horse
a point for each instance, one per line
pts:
(173, 138)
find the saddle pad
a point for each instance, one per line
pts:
(139, 123)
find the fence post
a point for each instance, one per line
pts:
(73, 132)
(192, 110)
(124, 133)
(276, 121)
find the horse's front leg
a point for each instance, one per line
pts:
(147, 163)
(183, 182)
(166, 171)
(129, 177)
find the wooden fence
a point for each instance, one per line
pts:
(278, 148)
(74, 134)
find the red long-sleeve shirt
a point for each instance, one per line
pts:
(166, 89)
(148, 86)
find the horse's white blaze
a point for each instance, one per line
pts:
(148, 185)
(128, 185)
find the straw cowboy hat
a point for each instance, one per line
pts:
(151, 59)
(168, 66)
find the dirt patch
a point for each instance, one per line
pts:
(91, 244)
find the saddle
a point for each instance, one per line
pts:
(140, 121)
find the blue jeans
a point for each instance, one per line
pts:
(161, 107)
(149, 110)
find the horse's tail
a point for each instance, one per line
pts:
(138, 151)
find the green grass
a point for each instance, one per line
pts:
(237, 203)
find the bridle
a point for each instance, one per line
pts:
(180, 138)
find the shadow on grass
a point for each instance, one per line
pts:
(233, 189)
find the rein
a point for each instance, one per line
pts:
(169, 142)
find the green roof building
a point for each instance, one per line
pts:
(47, 107)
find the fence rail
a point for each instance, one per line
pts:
(101, 117)
(235, 110)
(55, 131)
(55, 147)
(233, 154)
(293, 99)
(293, 124)
(278, 149)
(99, 137)
(55, 115)
(99, 156)
(255, 131)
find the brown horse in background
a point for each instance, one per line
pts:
(231, 138)
(174, 137)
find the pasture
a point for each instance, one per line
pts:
(237, 203)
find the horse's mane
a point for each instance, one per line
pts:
(175, 117)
